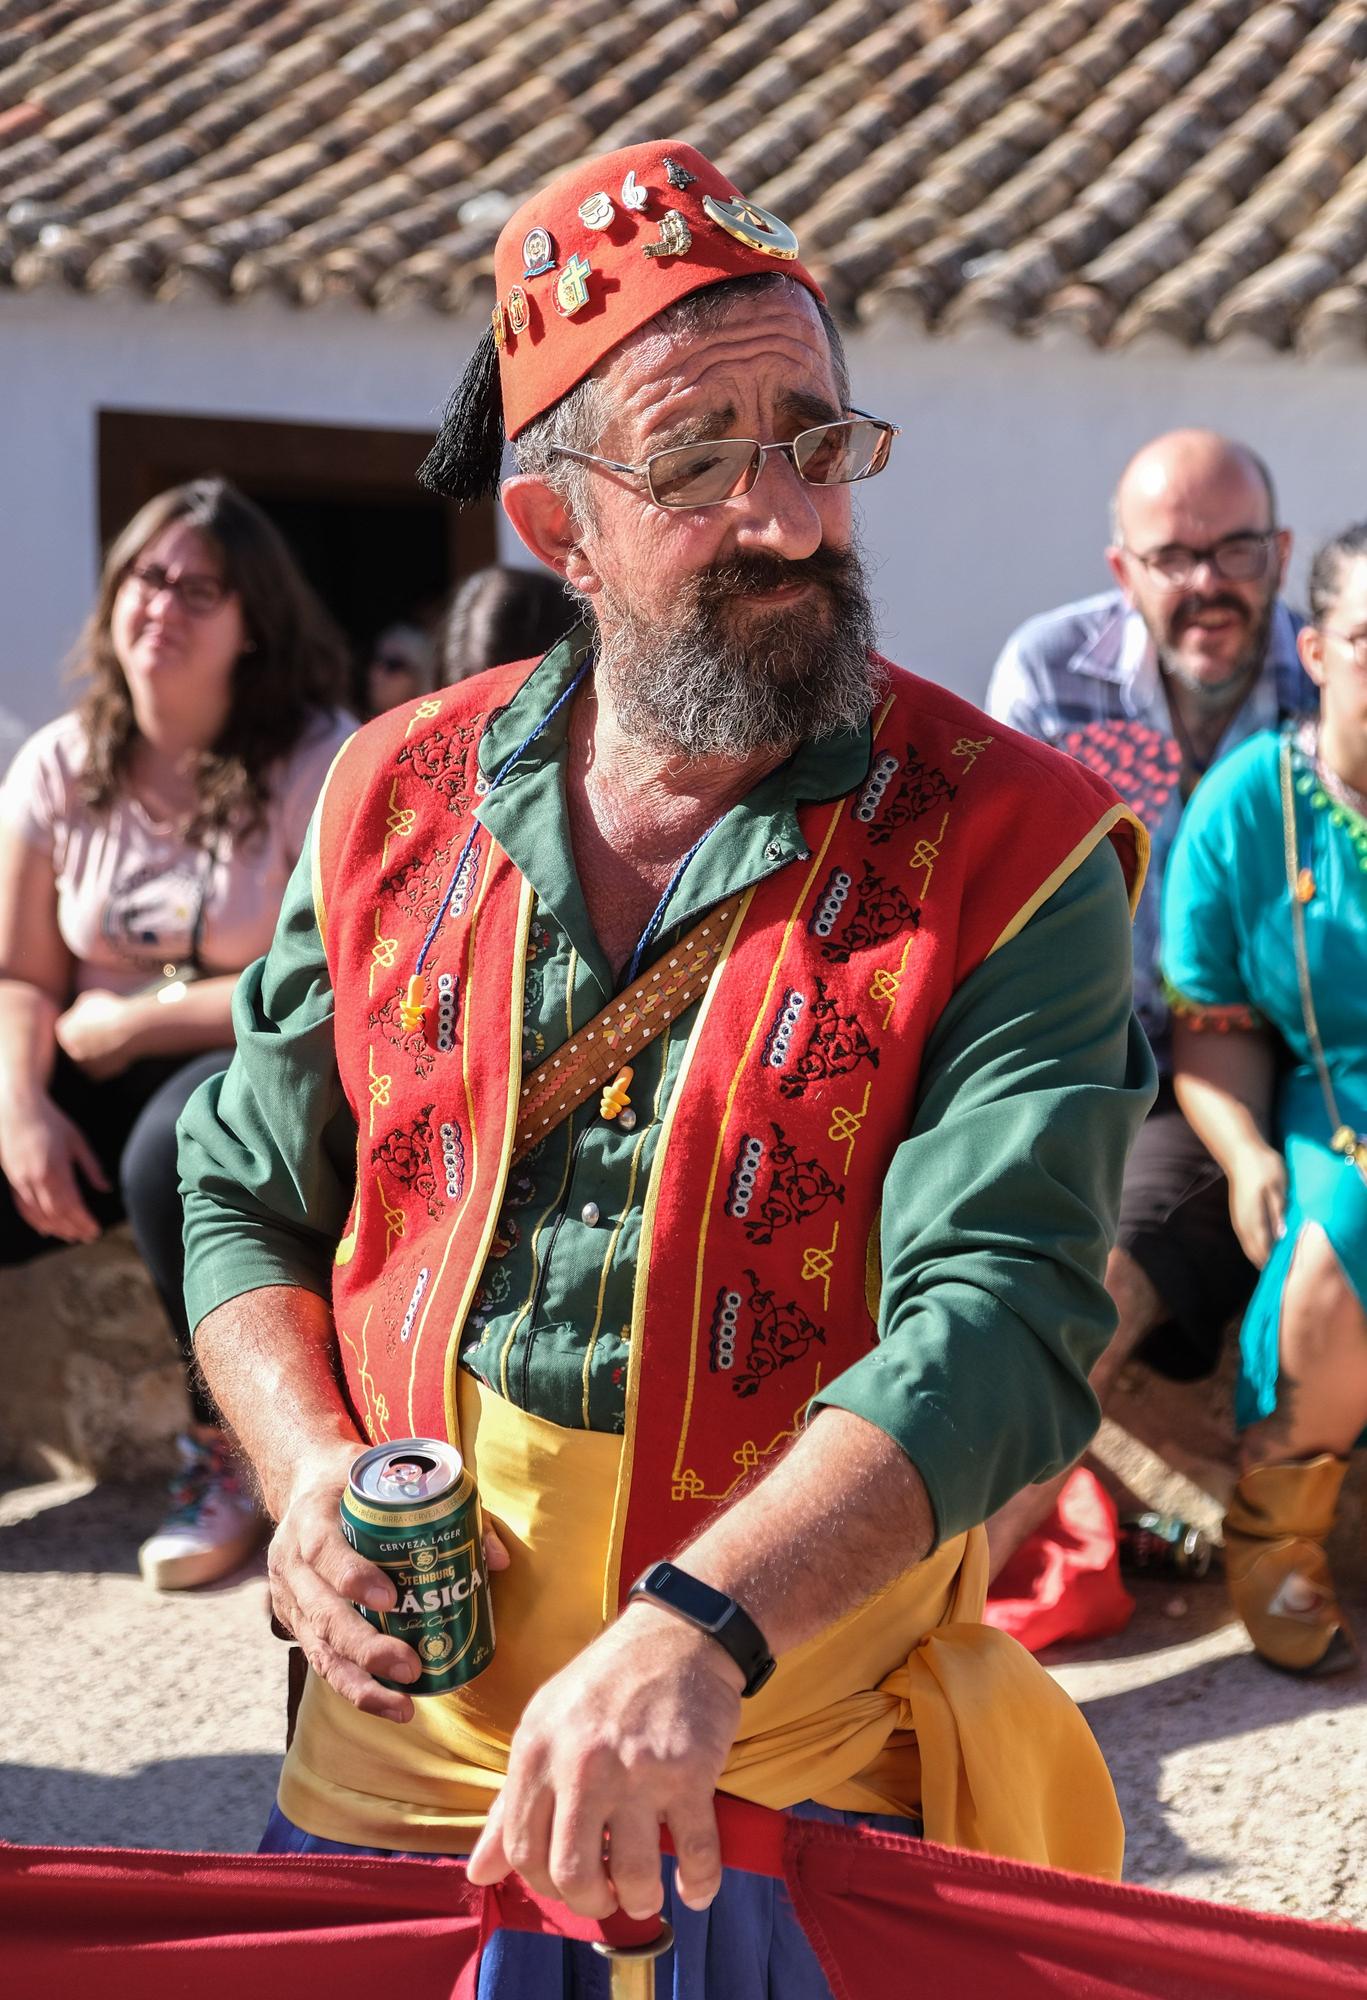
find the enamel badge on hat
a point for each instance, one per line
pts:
(751, 225)
(538, 253)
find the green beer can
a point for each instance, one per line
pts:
(412, 1509)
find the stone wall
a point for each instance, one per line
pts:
(92, 1381)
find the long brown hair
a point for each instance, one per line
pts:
(296, 664)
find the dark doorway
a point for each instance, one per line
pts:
(375, 546)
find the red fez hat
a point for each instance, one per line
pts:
(606, 247)
(582, 265)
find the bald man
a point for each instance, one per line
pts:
(1152, 683)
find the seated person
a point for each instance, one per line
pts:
(1151, 684)
(145, 842)
(1265, 928)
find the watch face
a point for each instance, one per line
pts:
(698, 1601)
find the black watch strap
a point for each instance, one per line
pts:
(713, 1612)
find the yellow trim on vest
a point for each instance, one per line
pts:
(315, 842)
(613, 1566)
(1073, 861)
(504, 1142)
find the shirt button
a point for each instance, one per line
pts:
(589, 1213)
(627, 1119)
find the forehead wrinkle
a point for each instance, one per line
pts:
(660, 371)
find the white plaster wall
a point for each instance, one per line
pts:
(994, 505)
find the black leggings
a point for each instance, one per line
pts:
(130, 1122)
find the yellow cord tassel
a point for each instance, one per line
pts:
(414, 1004)
(615, 1099)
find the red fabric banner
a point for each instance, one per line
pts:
(133, 1925)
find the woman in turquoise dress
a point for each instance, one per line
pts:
(1265, 948)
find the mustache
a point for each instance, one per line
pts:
(1191, 608)
(743, 576)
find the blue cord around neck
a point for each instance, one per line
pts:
(494, 784)
(504, 768)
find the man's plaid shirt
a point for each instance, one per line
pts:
(1094, 662)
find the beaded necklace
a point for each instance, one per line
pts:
(1331, 794)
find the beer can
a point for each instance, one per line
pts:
(1160, 1545)
(411, 1508)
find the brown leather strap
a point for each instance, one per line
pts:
(594, 1054)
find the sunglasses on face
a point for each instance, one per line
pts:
(720, 469)
(194, 592)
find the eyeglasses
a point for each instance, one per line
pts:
(1237, 558)
(392, 663)
(1355, 642)
(718, 469)
(195, 593)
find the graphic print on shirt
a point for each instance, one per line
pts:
(150, 914)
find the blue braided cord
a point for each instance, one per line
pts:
(648, 933)
(498, 778)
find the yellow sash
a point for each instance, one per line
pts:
(907, 1705)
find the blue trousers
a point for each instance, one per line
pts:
(748, 1945)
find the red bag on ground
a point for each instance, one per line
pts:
(885, 1916)
(1064, 1581)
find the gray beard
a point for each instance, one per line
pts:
(709, 687)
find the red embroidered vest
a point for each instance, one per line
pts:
(757, 1280)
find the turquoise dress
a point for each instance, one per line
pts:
(1229, 962)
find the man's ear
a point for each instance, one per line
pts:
(1119, 564)
(548, 529)
(1283, 555)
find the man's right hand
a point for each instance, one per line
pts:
(317, 1579)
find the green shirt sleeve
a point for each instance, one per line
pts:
(268, 1148)
(1000, 1208)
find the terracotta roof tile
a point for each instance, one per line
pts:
(1191, 169)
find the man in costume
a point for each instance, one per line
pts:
(693, 1074)
(1150, 684)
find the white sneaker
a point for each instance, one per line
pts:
(214, 1524)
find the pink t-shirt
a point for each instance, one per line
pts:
(128, 890)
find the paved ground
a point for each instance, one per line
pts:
(133, 1720)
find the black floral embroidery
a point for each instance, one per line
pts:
(881, 911)
(921, 786)
(835, 1045)
(780, 1335)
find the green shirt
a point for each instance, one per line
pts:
(998, 1209)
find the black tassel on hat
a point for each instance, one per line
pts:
(465, 461)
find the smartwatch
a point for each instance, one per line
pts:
(713, 1612)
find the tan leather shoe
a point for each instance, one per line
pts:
(1279, 1516)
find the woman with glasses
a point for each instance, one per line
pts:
(146, 838)
(1265, 931)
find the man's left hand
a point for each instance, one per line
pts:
(631, 1735)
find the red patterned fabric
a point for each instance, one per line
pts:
(769, 1173)
(1063, 1582)
(559, 316)
(129, 1925)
